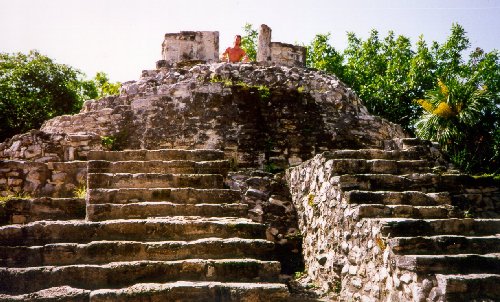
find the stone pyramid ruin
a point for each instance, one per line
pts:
(212, 181)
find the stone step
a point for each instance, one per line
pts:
(378, 166)
(450, 264)
(410, 142)
(186, 291)
(53, 294)
(177, 195)
(141, 210)
(445, 244)
(380, 210)
(406, 227)
(122, 274)
(425, 183)
(414, 198)
(410, 154)
(472, 287)
(161, 229)
(154, 180)
(157, 166)
(43, 208)
(99, 252)
(162, 154)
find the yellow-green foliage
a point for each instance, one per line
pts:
(380, 243)
(444, 110)
(80, 191)
(15, 195)
(485, 176)
(298, 275)
(264, 92)
(108, 142)
(218, 79)
(426, 105)
(310, 200)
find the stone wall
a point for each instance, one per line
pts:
(269, 201)
(267, 117)
(110, 117)
(39, 163)
(190, 45)
(341, 252)
(278, 53)
(24, 210)
(482, 201)
(288, 54)
(56, 146)
(57, 179)
(261, 116)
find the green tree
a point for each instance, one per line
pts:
(422, 69)
(249, 41)
(33, 88)
(104, 86)
(462, 109)
(389, 74)
(379, 71)
(448, 55)
(456, 114)
(323, 56)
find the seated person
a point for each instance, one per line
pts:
(235, 54)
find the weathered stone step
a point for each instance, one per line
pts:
(376, 166)
(472, 287)
(121, 274)
(410, 154)
(410, 142)
(177, 195)
(157, 166)
(162, 154)
(141, 210)
(170, 228)
(44, 208)
(380, 210)
(154, 180)
(59, 294)
(98, 252)
(450, 264)
(186, 291)
(405, 227)
(414, 198)
(412, 182)
(445, 244)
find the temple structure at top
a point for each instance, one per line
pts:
(203, 47)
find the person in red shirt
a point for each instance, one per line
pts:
(236, 53)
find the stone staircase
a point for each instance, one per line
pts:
(159, 227)
(427, 233)
(400, 229)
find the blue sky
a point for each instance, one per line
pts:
(123, 37)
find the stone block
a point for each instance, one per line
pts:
(14, 181)
(190, 45)
(18, 219)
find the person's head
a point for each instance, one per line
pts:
(237, 40)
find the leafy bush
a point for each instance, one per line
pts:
(34, 88)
